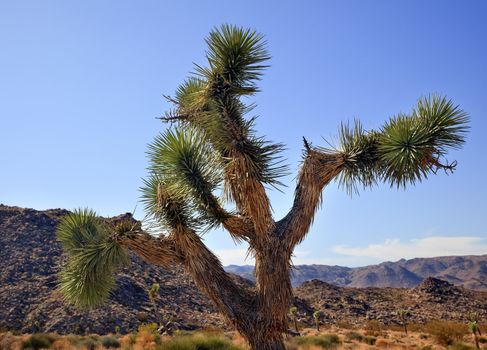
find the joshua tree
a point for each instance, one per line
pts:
(403, 316)
(474, 317)
(211, 147)
(317, 315)
(153, 293)
(293, 311)
(474, 328)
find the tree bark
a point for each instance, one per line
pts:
(261, 316)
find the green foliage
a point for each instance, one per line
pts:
(293, 310)
(406, 149)
(154, 291)
(150, 330)
(110, 342)
(210, 102)
(38, 341)
(327, 341)
(473, 326)
(359, 149)
(93, 258)
(235, 55)
(167, 210)
(190, 170)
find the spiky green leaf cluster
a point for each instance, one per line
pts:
(406, 149)
(235, 58)
(163, 209)
(93, 258)
(213, 130)
(185, 169)
(210, 101)
(359, 148)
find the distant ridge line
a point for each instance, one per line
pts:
(469, 271)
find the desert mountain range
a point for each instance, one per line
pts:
(31, 258)
(469, 271)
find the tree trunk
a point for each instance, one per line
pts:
(265, 339)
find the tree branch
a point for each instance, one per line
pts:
(232, 300)
(185, 247)
(239, 227)
(159, 251)
(318, 169)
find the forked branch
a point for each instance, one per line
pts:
(318, 169)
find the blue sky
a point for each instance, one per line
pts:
(81, 85)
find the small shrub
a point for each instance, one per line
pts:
(482, 340)
(147, 337)
(327, 341)
(110, 342)
(128, 341)
(38, 341)
(446, 332)
(354, 336)
(427, 347)
(91, 342)
(142, 316)
(423, 336)
(461, 346)
(197, 343)
(369, 340)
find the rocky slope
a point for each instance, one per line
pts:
(431, 299)
(30, 260)
(468, 271)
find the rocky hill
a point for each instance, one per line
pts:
(469, 271)
(431, 299)
(31, 258)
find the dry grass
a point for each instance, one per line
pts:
(331, 338)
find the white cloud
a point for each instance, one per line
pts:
(236, 256)
(395, 249)
(389, 250)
